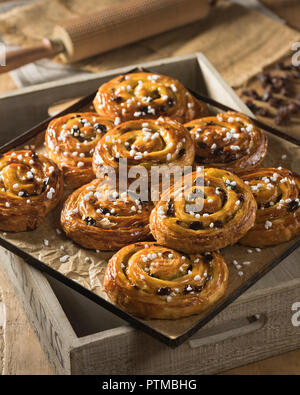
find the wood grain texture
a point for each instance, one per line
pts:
(288, 363)
(20, 350)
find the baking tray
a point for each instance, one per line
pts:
(30, 246)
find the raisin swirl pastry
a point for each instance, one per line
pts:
(276, 192)
(30, 186)
(71, 140)
(147, 95)
(229, 140)
(152, 281)
(145, 143)
(207, 217)
(96, 217)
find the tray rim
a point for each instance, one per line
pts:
(136, 322)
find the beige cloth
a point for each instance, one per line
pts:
(238, 41)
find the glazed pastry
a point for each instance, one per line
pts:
(152, 281)
(30, 186)
(230, 141)
(207, 217)
(96, 217)
(145, 143)
(71, 140)
(147, 95)
(276, 192)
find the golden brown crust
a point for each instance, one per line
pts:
(227, 214)
(95, 222)
(147, 95)
(229, 140)
(152, 281)
(71, 140)
(276, 191)
(30, 186)
(145, 143)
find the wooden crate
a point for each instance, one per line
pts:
(80, 337)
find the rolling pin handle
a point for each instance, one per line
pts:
(19, 57)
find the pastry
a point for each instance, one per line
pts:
(207, 217)
(145, 143)
(276, 191)
(230, 141)
(147, 95)
(152, 281)
(30, 186)
(96, 217)
(71, 140)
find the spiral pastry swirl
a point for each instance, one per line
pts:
(229, 140)
(206, 217)
(276, 191)
(96, 217)
(147, 95)
(71, 141)
(145, 143)
(152, 281)
(30, 186)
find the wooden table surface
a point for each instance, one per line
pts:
(21, 348)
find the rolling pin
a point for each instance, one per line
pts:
(112, 27)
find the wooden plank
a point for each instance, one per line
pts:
(20, 351)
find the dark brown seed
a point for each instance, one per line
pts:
(202, 144)
(218, 151)
(144, 110)
(196, 225)
(208, 257)
(163, 291)
(241, 198)
(118, 99)
(90, 221)
(100, 128)
(170, 209)
(293, 205)
(198, 288)
(171, 102)
(181, 153)
(163, 109)
(218, 224)
(199, 159)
